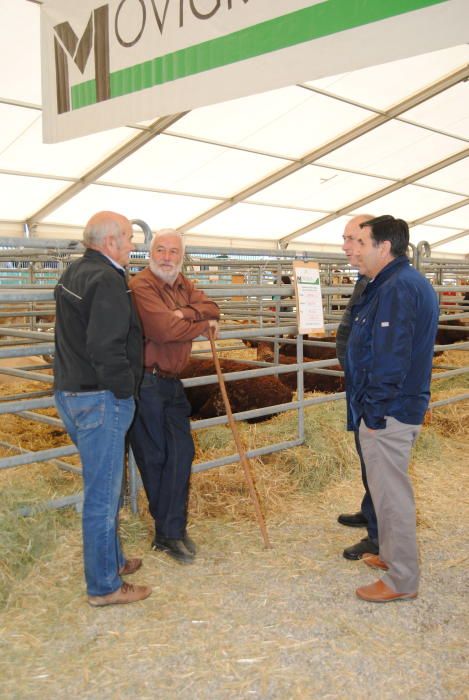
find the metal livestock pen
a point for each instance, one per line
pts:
(254, 291)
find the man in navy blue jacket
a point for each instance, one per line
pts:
(388, 372)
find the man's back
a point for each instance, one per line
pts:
(97, 334)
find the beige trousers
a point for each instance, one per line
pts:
(386, 454)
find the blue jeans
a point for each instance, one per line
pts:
(97, 422)
(163, 448)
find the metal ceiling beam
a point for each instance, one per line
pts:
(450, 238)
(118, 185)
(439, 212)
(375, 110)
(39, 176)
(184, 193)
(124, 151)
(381, 193)
(349, 136)
(18, 103)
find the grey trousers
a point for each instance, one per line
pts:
(386, 454)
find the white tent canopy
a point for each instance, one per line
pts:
(287, 167)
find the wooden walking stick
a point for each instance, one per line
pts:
(241, 451)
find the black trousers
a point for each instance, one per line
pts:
(163, 448)
(367, 507)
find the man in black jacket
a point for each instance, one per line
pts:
(97, 370)
(366, 516)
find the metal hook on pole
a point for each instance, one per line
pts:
(423, 250)
(239, 445)
(147, 232)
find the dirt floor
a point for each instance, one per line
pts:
(243, 622)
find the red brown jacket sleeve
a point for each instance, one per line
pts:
(199, 307)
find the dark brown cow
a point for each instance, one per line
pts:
(244, 394)
(327, 383)
(265, 350)
(447, 336)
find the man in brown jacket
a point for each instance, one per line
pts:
(172, 313)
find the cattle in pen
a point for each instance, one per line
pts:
(244, 394)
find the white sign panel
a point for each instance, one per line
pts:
(110, 63)
(309, 308)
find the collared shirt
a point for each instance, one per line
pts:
(114, 263)
(167, 338)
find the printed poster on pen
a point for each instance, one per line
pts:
(309, 298)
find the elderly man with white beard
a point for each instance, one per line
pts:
(172, 313)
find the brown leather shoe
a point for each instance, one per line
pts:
(379, 592)
(373, 561)
(130, 567)
(125, 594)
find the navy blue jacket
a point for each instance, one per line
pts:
(390, 348)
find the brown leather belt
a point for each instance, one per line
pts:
(157, 372)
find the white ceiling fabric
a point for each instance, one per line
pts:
(219, 171)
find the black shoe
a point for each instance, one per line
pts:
(189, 544)
(176, 549)
(365, 546)
(353, 519)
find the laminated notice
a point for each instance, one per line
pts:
(309, 307)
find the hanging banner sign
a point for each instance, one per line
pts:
(309, 308)
(110, 63)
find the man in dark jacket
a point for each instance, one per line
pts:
(388, 372)
(366, 516)
(97, 369)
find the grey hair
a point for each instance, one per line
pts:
(167, 232)
(95, 232)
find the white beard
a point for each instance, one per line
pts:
(168, 277)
